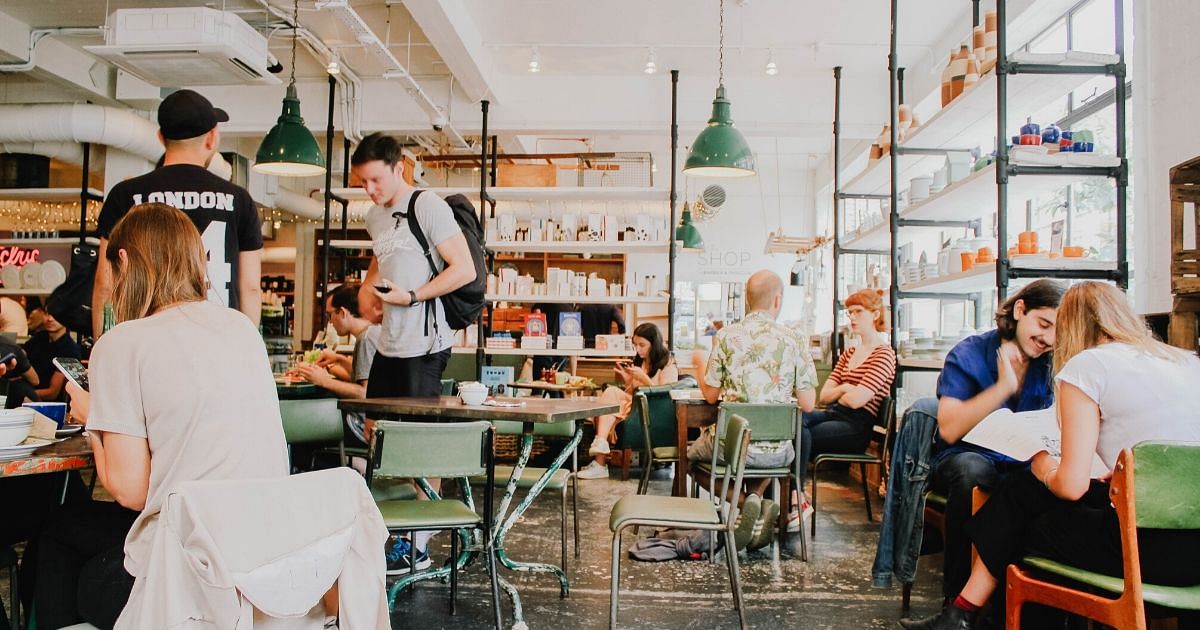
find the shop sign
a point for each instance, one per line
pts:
(17, 256)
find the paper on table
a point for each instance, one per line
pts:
(1021, 435)
(492, 402)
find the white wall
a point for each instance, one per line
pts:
(1164, 130)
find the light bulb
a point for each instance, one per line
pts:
(651, 66)
(772, 69)
(535, 64)
(333, 67)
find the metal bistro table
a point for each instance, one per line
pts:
(535, 411)
(691, 412)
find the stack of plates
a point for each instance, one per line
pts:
(14, 426)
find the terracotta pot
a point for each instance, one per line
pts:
(989, 21)
(958, 71)
(972, 76)
(1072, 251)
(946, 76)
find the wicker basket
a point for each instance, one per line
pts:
(508, 447)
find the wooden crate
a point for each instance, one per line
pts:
(1185, 262)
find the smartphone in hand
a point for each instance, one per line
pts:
(8, 357)
(72, 369)
(383, 288)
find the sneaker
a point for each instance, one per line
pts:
(764, 527)
(793, 522)
(593, 471)
(743, 529)
(599, 447)
(398, 561)
(806, 508)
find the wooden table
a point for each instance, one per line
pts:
(72, 453)
(691, 412)
(554, 388)
(534, 411)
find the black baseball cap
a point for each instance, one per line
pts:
(187, 114)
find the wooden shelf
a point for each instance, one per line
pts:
(554, 352)
(577, 299)
(560, 193)
(581, 247)
(38, 242)
(983, 277)
(974, 197)
(45, 194)
(923, 364)
(968, 121)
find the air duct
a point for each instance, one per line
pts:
(77, 123)
(309, 208)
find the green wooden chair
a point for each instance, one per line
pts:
(885, 428)
(768, 423)
(1148, 491)
(688, 513)
(312, 421)
(445, 450)
(559, 481)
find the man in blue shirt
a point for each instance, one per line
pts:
(1005, 367)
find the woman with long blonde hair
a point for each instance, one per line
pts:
(1116, 386)
(181, 390)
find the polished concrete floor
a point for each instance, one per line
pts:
(830, 591)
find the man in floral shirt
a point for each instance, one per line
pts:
(758, 360)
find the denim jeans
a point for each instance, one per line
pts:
(835, 429)
(904, 506)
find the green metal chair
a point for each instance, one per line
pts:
(417, 450)
(1148, 491)
(312, 421)
(885, 429)
(773, 422)
(559, 481)
(690, 513)
(655, 412)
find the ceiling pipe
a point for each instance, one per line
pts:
(371, 42)
(69, 152)
(35, 36)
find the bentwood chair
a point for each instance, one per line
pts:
(560, 481)
(634, 510)
(1148, 491)
(771, 422)
(881, 437)
(440, 450)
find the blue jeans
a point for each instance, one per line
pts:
(835, 429)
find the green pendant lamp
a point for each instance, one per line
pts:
(687, 231)
(289, 149)
(720, 150)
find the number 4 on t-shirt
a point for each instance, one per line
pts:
(220, 271)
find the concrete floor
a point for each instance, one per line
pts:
(831, 591)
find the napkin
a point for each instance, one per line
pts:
(43, 427)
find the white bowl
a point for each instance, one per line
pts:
(473, 396)
(14, 434)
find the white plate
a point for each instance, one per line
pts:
(11, 277)
(31, 275)
(70, 429)
(8, 453)
(53, 274)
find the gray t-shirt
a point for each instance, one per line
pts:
(364, 353)
(408, 332)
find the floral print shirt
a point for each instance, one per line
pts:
(759, 360)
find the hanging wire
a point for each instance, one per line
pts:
(721, 73)
(295, 34)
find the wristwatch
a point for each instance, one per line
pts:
(412, 298)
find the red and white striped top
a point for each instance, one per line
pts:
(875, 373)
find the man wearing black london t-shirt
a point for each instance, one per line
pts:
(222, 211)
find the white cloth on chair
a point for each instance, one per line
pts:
(236, 553)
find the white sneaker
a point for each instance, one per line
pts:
(806, 508)
(599, 447)
(593, 471)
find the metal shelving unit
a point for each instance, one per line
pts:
(1026, 83)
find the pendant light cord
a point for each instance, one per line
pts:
(295, 34)
(721, 71)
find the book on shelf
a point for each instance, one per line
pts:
(535, 325)
(570, 324)
(1022, 434)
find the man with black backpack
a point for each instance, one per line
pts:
(421, 256)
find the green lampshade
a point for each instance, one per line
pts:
(289, 149)
(688, 233)
(720, 150)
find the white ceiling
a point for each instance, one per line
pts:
(592, 54)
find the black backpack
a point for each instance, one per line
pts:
(464, 304)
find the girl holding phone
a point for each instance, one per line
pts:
(651, 365)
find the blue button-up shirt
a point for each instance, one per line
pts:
(970, 368)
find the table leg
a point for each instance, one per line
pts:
(679, 487)
(508, 520)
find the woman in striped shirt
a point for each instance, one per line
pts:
(860, 381)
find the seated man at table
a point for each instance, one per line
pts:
(758, 360)
(346, 376)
